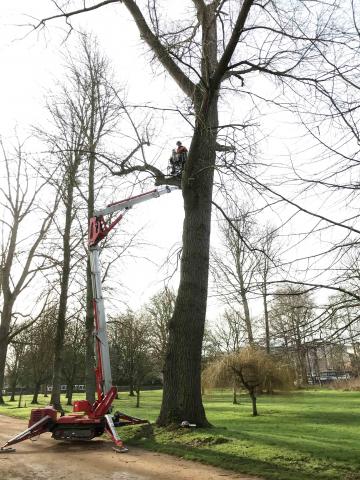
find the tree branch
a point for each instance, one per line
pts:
(232, 43)
(224, 148)
(160, 177)
(72, 13)
(200, 8)
(187, 86)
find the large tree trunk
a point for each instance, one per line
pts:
(182, 370)
(182, 398)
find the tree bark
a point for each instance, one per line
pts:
(182, 371)
(182, 398)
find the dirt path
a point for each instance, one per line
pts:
(48, 459)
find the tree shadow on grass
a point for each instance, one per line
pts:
(318, 416)
(267, 469)
(288, 453)
(305, 438)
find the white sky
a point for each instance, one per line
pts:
(31, 64)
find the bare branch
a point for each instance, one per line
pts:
(162, 54)
(232, 43)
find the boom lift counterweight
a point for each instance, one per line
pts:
(92, 420)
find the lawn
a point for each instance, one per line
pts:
(311, 434)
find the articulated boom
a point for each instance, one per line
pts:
(98, 228)
(92, 420)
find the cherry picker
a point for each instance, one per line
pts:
(92, 420)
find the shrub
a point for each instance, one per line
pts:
(251, 368)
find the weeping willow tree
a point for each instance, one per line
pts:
(251, 368)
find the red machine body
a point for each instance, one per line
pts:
(91, 420)
(82, 406)
(38, 414)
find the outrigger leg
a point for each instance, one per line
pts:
(42, 426)
(120, 420)
(111, 431)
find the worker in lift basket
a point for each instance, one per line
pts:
(178, 159)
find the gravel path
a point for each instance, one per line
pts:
(48, 459)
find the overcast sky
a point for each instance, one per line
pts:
(31, 65)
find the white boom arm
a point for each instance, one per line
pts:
(97, 231)
(131, 201)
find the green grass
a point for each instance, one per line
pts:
(311, 434)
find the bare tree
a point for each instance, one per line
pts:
(229, 333)
(228, 336)
(130, 347)
(86, 110)
(73, 365)
(39, 351)
(15, 366)
(21, 262)
(66, 142)
(235, 267)
(99, 108)
(291, 317)
(268, 259)
(158, 312)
